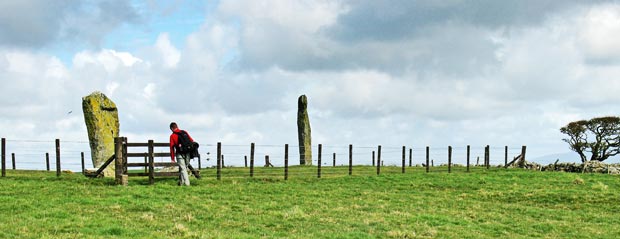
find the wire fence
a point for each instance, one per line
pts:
(269, 160)
(334, 159)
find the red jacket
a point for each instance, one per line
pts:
(174, 141)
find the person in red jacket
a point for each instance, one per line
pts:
(182, 159)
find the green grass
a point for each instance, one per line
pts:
(482, 204)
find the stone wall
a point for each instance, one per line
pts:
(590, 167)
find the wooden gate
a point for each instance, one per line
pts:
(122, 164)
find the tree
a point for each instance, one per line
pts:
(598, 136)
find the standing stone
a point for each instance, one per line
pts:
(303, 131)
(101, 117)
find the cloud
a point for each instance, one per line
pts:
(93, 21)
(170, 55)
(278, 33)
(163, 54)
(371, 20)
(31, 23)
(35, 92)
(597, 30)
(110, 60)
(36, 24)
(417, 37)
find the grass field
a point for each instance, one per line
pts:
(481, 204)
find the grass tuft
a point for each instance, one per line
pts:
(599, 186)
(578, 181)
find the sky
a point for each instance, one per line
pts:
(396, 73)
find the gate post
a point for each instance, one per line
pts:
(118, 160)
(151, 162)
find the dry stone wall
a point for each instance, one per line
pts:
(590, 167)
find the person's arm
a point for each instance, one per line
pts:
(172, 144)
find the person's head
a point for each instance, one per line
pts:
(173, 126)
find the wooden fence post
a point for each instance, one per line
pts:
(285, 162)
(252, 160)
(57, 157)
(468, 149)
(484, 160)
(505, 156)
(267, 163)
(47, 161)
(13, 161)
(373, 158)
(410, 157)
(82, 157)
(3, 157)
(318, 173)
(488, 156)
(245, 160)
(427, 159)
(379, 160)
(523, 149)
(350, 159)
(199, 163)
(449, 159)
(151, 150)
(334, 164)
(484, 163)
(404, 149)
(219, 161)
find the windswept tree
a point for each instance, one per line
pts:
(599, 137)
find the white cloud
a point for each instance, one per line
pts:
(168, 53)
(307, 16)
(290, 28)
(149, 91)
(598, 31)
(110, 60)
(111, 87)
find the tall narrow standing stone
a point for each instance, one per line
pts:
(303, 131)
(101, 117)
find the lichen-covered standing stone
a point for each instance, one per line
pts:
(303, 131)
(101, 117)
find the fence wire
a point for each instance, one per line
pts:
(269, 159)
